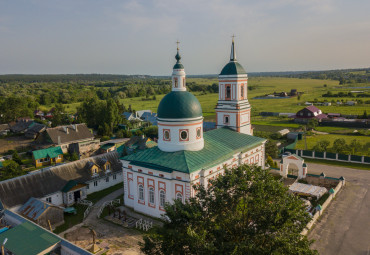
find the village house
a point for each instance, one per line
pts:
(310, 112)
(42, 212)
(49, 156)
(71, 138)
(34, 130)
(65, 184)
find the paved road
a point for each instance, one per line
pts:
(344, 227)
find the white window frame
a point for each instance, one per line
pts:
(162, 198)
(151, 195)
(141, 192)
(179, 196)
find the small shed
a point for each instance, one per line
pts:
(41, 212)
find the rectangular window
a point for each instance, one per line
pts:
(107, 179)
(95, 183)
(114, 177)
(175, 80)
(48, 199)
(88, 186)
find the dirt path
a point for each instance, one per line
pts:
(111, 238)
(344, 227)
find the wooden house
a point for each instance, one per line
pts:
(47, 156)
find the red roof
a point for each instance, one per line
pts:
(312, 108)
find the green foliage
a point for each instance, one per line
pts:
(270, 161)
(151, 131)
(271, 149)
(11, 170)
(339, 145)
(16, 158)
(312, 124)
(244, 211)
(321, 146)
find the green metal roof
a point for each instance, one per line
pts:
(69, 186)
(219, 145)
(178, 66)
(51, 152)
(107, 146)
(27, 238)
(232, 68)
(178, 105)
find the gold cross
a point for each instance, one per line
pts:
(177, 42)
(233, 36)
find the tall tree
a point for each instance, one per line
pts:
(244, 211)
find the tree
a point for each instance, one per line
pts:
(58, 115)
(339, 145)
(321, 146)
(312, 123)
(271, 149)
(270, 161)
(244, 211)
(355, 146)
(11, 170)
(16, 158)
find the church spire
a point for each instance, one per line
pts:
(232, 54)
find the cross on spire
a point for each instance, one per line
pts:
(233, 36)
(232, 53)
(177, 42)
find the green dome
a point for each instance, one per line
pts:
(232, 68)
(178, 66)
(179, 105)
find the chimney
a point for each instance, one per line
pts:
(75, 126)
(59, 142)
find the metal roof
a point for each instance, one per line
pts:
(219, 145)
(34, 208)
(51, 152)
(28, 238)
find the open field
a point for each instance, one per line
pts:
(312, 140)
(312, 88)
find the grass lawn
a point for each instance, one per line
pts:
(312, 140)
(96, 196)
(71, 220)
(338, 163)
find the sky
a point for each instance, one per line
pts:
(139, 36)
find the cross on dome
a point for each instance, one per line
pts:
(232, 54)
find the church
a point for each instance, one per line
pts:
(185, 155)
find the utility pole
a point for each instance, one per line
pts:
(305, 137)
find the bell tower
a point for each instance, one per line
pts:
(233, 109)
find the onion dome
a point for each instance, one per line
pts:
(178, 64)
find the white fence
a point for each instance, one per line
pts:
(144, 224)
(89, 206)
(112, 202)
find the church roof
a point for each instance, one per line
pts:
(219, 145)
(232, 68)
(179, 105)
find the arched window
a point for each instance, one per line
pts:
(151, 195)
(162, 198)
(141, 192)
(179, 196)
(175, 79)
(242, 91)
(228, 93)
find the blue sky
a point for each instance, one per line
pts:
(138, 37)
